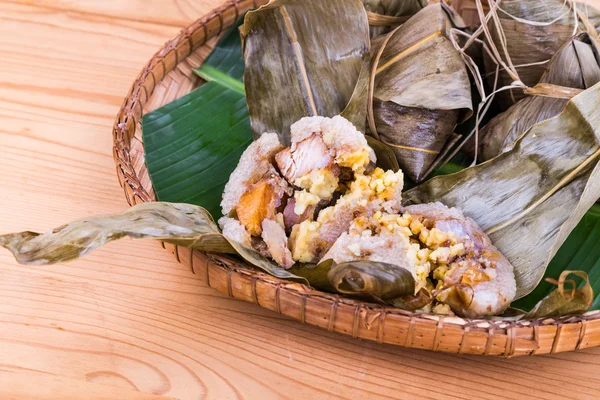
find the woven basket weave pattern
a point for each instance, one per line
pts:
(168, 76)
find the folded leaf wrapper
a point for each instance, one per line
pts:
(303, 58)
(576, 65)
(369, 278)
(386, 14)
(563, 301)
(527, 43)
(185, 225)
(421, 90)
(529, 199)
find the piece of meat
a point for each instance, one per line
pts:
(277, 242)
(290, 218)
(480, 283)
(260, 246)
(347, 145)
(301, 158)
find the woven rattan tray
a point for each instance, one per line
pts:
(167, 77)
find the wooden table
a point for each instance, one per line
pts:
(128, 321)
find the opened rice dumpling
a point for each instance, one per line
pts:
(576, 65)
(421, 90)
(387, 14)
(552, 24)
(323, 200)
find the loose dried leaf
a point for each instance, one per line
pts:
(185, 225)
(563, 300)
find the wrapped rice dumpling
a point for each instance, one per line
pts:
(576, 65)
(421, 90)
(386, 14)
(528, 44)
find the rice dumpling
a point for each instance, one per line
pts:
(448, 255)
(290, 186)
(474, 278)
(576, 65)
(421, 91)
(529, 44)
(325, 201)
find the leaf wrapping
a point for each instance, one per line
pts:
(575, 65)
(421, 91)
(303, 58)
(527, 44)
(370, 278)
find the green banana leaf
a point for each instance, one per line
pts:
(223, 63)
(181, 224)
(529, 199)
(194, 143)
(303, 58)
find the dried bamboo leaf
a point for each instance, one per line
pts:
(565, 302)
(529, 199)
(356, 109)
(529, 44)
(185, 225)
(303, 58)
(386, 159)
(385, 14)
(316, 275)
(574, 66)
(422, 90)
(412, 302)
(370, 278)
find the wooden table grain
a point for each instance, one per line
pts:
(128, 321)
